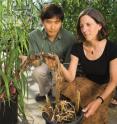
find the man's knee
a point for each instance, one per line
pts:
(40, 71)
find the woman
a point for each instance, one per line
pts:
(97, 57)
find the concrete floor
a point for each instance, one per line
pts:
(113, 115)
(33, 109)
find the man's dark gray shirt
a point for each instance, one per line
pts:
(39, 42)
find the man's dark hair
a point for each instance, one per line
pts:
(52, 10)
(99, 19)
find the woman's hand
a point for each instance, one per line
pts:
(52, 61)
(91, 108)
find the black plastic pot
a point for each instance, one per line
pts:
(78, 119)
(8, 111)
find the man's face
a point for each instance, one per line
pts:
(52, 26)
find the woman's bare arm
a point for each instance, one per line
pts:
(71, 72)
(113, 79)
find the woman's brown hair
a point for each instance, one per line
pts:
(99, 19)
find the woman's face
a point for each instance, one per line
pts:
(89, 28)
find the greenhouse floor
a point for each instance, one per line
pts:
(33, 109)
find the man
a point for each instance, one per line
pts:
(52, 39)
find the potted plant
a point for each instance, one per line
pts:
(12, 86)
(13, 42)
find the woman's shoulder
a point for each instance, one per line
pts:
(112, 45)
(112, 49)
(77, 45)
(76, 49)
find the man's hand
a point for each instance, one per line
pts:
(23, 59)
(32, 60)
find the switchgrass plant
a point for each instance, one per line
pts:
(15, 23)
